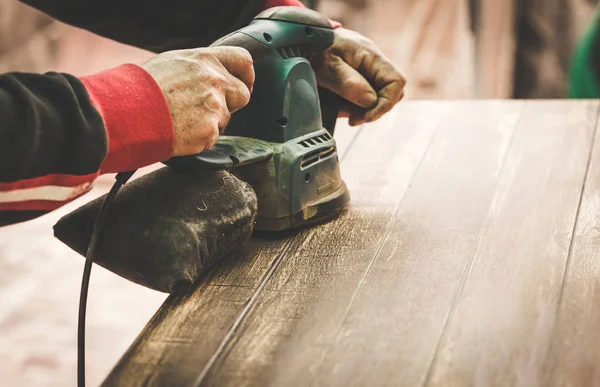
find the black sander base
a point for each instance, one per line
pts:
(166, 228)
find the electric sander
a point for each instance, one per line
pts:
(282, 142)
(275, 168)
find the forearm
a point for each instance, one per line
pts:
(58, 133)
(158, 25)
(154, 25)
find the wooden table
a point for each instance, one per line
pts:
(469, 257)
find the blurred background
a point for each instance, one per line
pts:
(448, 49)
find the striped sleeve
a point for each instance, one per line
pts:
(58, 133)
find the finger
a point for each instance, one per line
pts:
(223, 117)
(364, 116)
(218, 113)
(342, 79)
(237, 95)
(355, 114)
(343, 112)
(238, 63)
(357, 117)
(388, 97)
(211, 134)
(347, 109)
(387, 81)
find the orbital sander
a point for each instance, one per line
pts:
(276, 168)
(282, 142)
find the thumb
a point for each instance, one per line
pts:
(344, 80)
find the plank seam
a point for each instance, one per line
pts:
(252, 302)
(378, 251)
(467, 271)
(247, 309)
(573, 231)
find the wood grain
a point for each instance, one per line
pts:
(204, 318)
(461, 262)
(500, 329)
(214, 316)
(362, 303)
(574, 358)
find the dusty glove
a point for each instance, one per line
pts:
(356, 69)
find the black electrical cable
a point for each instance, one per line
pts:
(121, 179)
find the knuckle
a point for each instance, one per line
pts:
(246, 96)
(218, 80)
(213, 137)
(236, 87)
(363, 54)
(215, 102)
(251, 76)
(401, 79)
(225, 116)
(242, 53)
(198, 53)
(208, 139)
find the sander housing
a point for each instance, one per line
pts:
(282, 142)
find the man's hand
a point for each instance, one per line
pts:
(357, 70)
(202, 87)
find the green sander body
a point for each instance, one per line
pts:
(275, 168)
(282, 142)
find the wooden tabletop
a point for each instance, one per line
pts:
(468, 257)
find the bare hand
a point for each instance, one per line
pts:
(357, 70)
(202, 87)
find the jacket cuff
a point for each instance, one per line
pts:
(335, 24)
(136, 117)
(293, 3)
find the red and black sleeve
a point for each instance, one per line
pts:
(58, 132)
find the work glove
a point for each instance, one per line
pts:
(356, 69)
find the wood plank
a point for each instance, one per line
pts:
(363, 301)
(575, 349)
(189, 333)
(247, 271)
(499, 331)
(188, 329)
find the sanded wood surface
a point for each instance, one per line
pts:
(468, 257)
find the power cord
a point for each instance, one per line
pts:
(121, 179)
